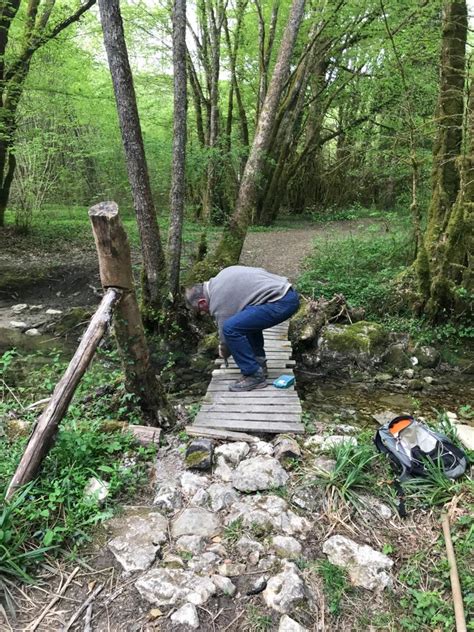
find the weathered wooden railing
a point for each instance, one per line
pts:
(119, 298)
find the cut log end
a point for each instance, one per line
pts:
(104, 209)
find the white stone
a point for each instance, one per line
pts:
(169, 586)
(465, 435)
(173, 561)
(222, 470)
(285, 590)
(245, 546)
(453, 418)
(259, 473)
(204, 563)
(409, 373)
(190, 483)
(262, 448)
(428, 379)
(270, 513)
(287, 624)
(315, 441)
(186, 615)
(18, 324)
(20, 307)
(221, 496)
(286, 546)
(224, 585)
(232, 453)
(324, 464)
(337, 440)
(33, 332)
(200, 498)
(53, 312)
(231, 569)
(168, 499)
(139, 540)
(345, 429)
(375, 508)
(96, 489)
(196, 521)
(366, 566)
(36, 308)
(191, 544)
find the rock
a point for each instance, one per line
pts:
(286, 546)
(173, 561)
(315, 441)
(191, 544)
(287, 624)
(384, 417)
(20, 307)
(305, 498)
(257, 585)
(233, 453)
(196, 521)
(221, 496)
(139, 539)
(53, 312)
(18, 324)
(465, 435)
(167, 587)
(231, 569)
(218, 549)
(96, 490)
(268, 563)
(199, 454)
(416, 385)
(204, 563)
(33, 332)
(374, 508)
(453, 418)
(366, 566)
(200, 498)
(409, 373)
(36, 308)
(268, 514)
(245, 546)
(285, 590)
(186, 615)
(258, 473)
(286, 449)
(382, 377)
(222, 469)
(345, 429)
(324, 465)
(224, 585)
(190, 483)
(428, 379)
(428, 357)
(16, 428)
(168, 499)
(337, 440)
(396, 357)
(262, 448)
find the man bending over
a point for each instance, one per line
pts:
(244, 301)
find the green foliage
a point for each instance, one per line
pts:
(257, 620)
(336, 584)
(234, 531)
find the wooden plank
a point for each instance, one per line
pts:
(222, 386)
(245, 403)
(270, 417)
(214, 433)
(255, 426)
(229, 407)
(234, 374)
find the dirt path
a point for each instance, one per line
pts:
(284, 251)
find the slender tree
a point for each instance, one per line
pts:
(179, 146)
(152, 252)
(14, 67)
(444, 249)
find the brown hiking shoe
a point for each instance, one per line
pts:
(249, 382)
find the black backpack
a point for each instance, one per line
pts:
(410, 445)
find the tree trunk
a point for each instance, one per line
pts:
(179, 146)
(433, 266)
(116, 271)
(153, 256)
(233, 238)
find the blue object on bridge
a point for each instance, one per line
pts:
(284, 381)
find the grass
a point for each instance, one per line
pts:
(257, 620)
(336, 584)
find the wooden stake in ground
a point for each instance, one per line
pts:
(116, 271)
(454, 577)
(47, 425)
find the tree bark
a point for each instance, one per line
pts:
(152, 252)
(232, 241)
(116, 271)
(43, 435)
(179, 146)
(433, 267)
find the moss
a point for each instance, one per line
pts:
(196, 458)
(363, 337)
(209, 345)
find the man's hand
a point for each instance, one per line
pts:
(224, 353)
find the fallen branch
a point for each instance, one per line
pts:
(33, 626)
(83, 607)
(454, 577)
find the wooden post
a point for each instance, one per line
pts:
(116, 271)
(47, 425)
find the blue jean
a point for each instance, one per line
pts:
(243, 331)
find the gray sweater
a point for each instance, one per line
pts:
(238, 286)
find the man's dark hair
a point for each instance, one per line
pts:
(193, 294)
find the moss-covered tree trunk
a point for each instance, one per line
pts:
(443, 252)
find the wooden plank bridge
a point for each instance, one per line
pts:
(263, 410)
